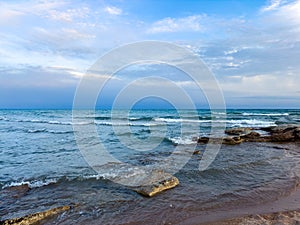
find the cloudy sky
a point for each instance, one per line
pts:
(252, 47)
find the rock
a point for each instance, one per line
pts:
(285, 133)
(252, 137)
(16, 191)
(160, 181)
(225, 140)
(238, 131)
(146, 180)
(283, 128)
(203, 140)
(196, 152)
(36, 217)
(297, 134)
(267, 129)
(232, 140)
(282, 137)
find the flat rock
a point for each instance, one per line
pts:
(36, 217)
(238, 131)
(225, 140)
(159, 181)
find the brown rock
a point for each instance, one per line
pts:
(251, 135)
(16, 191)
(225, 140)
(196, 152)
(297, 134)
(238, 131)
(162, 182)
(36, 217)
(232, 140)
(203, 140)
(284, 133)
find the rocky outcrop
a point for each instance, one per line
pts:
(36, 217)
(238, 131)
(147, 181)
(225, 140)
(159, 181)
(283, 133)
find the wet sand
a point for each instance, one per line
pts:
(285, 210)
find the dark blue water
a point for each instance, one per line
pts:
(38, 148)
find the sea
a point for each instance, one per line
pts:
(42, 164)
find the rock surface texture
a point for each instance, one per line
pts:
(158, 182)
(36, 217)
(284, 133)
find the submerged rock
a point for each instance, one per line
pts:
(158, 182)
(15, 192)
(226, 140)
(147, 180)
(36, 217)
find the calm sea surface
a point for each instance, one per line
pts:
(38, 148)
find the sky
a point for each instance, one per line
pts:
(252, 47)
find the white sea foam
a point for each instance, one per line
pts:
(265, 114)
(182, 141)
(59, 122)
(36, 130)
(31, 184)
(114, 123)
(243, 122)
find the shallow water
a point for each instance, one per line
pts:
(38, 148)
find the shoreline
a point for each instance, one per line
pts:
(281, 209)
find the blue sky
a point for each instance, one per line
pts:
(252, 47)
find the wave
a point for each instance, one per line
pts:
(128, 124)
(265, 114)
(178, 120)
(143, 118)
(3, 118)
(242, 122)
(114, 124)
(251, 123)
(181, 141)
(102, 117)
(31, 184)
(36, 130)
(45, 121)
(44, 130)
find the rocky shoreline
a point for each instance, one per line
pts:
(158, 181)
(284, 133)
(37, 217)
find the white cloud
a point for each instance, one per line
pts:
(273, 4)
(290, 13)
(8, 15)
(113, 10)
(190, 23)
(68, 15)
(262, 85)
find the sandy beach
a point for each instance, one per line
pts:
(283, 211)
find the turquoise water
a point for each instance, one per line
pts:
(38, 148)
